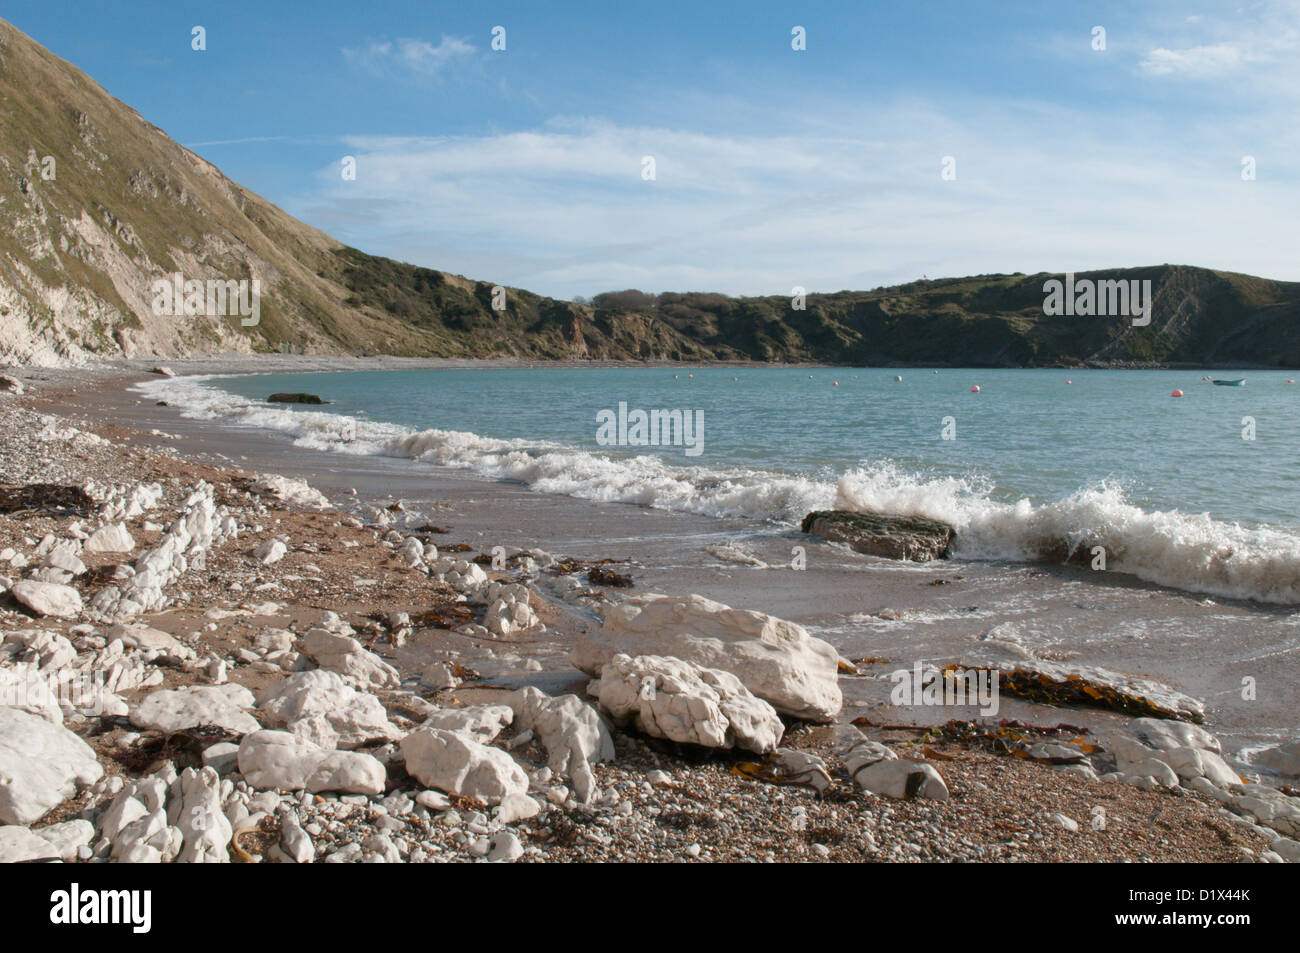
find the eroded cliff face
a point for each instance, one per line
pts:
(96, 204)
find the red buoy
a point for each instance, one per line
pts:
(975, 389)
(1176, 393)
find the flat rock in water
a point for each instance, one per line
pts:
(294, 399)
(875, 534)
(1055, 683)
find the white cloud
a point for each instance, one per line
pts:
(563, 209)
(1196, 61)
(413, 56)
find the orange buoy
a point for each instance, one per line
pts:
(1176, 393)
(975, 389)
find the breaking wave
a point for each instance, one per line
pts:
(1185, 551)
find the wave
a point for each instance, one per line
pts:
(1184, 551)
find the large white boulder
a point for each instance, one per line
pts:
(276, 759)
(457, 764)
(320, 707)
(172, 710)
(776, 660)
(48, 598)
(41, 764)
(345, 655)
(669, 698)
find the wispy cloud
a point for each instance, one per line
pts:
(414, 57)
(1197, 61)
(1261, 42)
(564, 209)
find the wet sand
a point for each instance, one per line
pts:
(1203, 647)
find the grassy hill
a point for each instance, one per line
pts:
(79, 250)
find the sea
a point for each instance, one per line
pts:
(1196, 492)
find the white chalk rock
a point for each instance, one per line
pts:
(270, 552)
(204, 828)
(456, 764)
(113, 538)
(48, 598)
(68, 837)
(320, 707)
(173, 710)
(287, 490)
(18, 844)
(276, 759)
(345, 655)
(1152, 768)
(902, 778)
(479, 722)
(776, 660)
(25, 688)
(1188, 750)
(147, 638)
(669, 698)
(569, 729)
(41, 764)
(439, 676)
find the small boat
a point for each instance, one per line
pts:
(1240, 382)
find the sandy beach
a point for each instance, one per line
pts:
(375, 565)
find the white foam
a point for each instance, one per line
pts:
(1185, 551)
(1170, 548)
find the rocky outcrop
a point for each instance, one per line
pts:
(776, 660)
(877, 534)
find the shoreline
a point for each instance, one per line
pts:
(990, 789)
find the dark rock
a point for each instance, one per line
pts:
(876, 534)
(607, 577)
(294, 399)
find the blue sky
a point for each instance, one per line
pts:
(773, 167)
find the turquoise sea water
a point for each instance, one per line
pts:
(1169, 485)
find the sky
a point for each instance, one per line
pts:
(905, 139)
